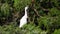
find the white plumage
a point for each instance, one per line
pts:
(23, 20)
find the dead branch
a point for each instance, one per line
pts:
(36, 12)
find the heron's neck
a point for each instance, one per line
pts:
(25, 12)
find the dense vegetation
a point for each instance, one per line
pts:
(43, 16)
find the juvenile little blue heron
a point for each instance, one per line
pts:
(23, 20)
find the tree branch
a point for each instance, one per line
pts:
(36, 12)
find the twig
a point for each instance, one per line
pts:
(36, 12)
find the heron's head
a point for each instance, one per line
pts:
(26, 8)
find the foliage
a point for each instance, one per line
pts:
(54, 11)
(47, 22)
(20, 4)
(27, 29)
(5, 10)
(56, 31)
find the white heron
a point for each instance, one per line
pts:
(23, 20)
